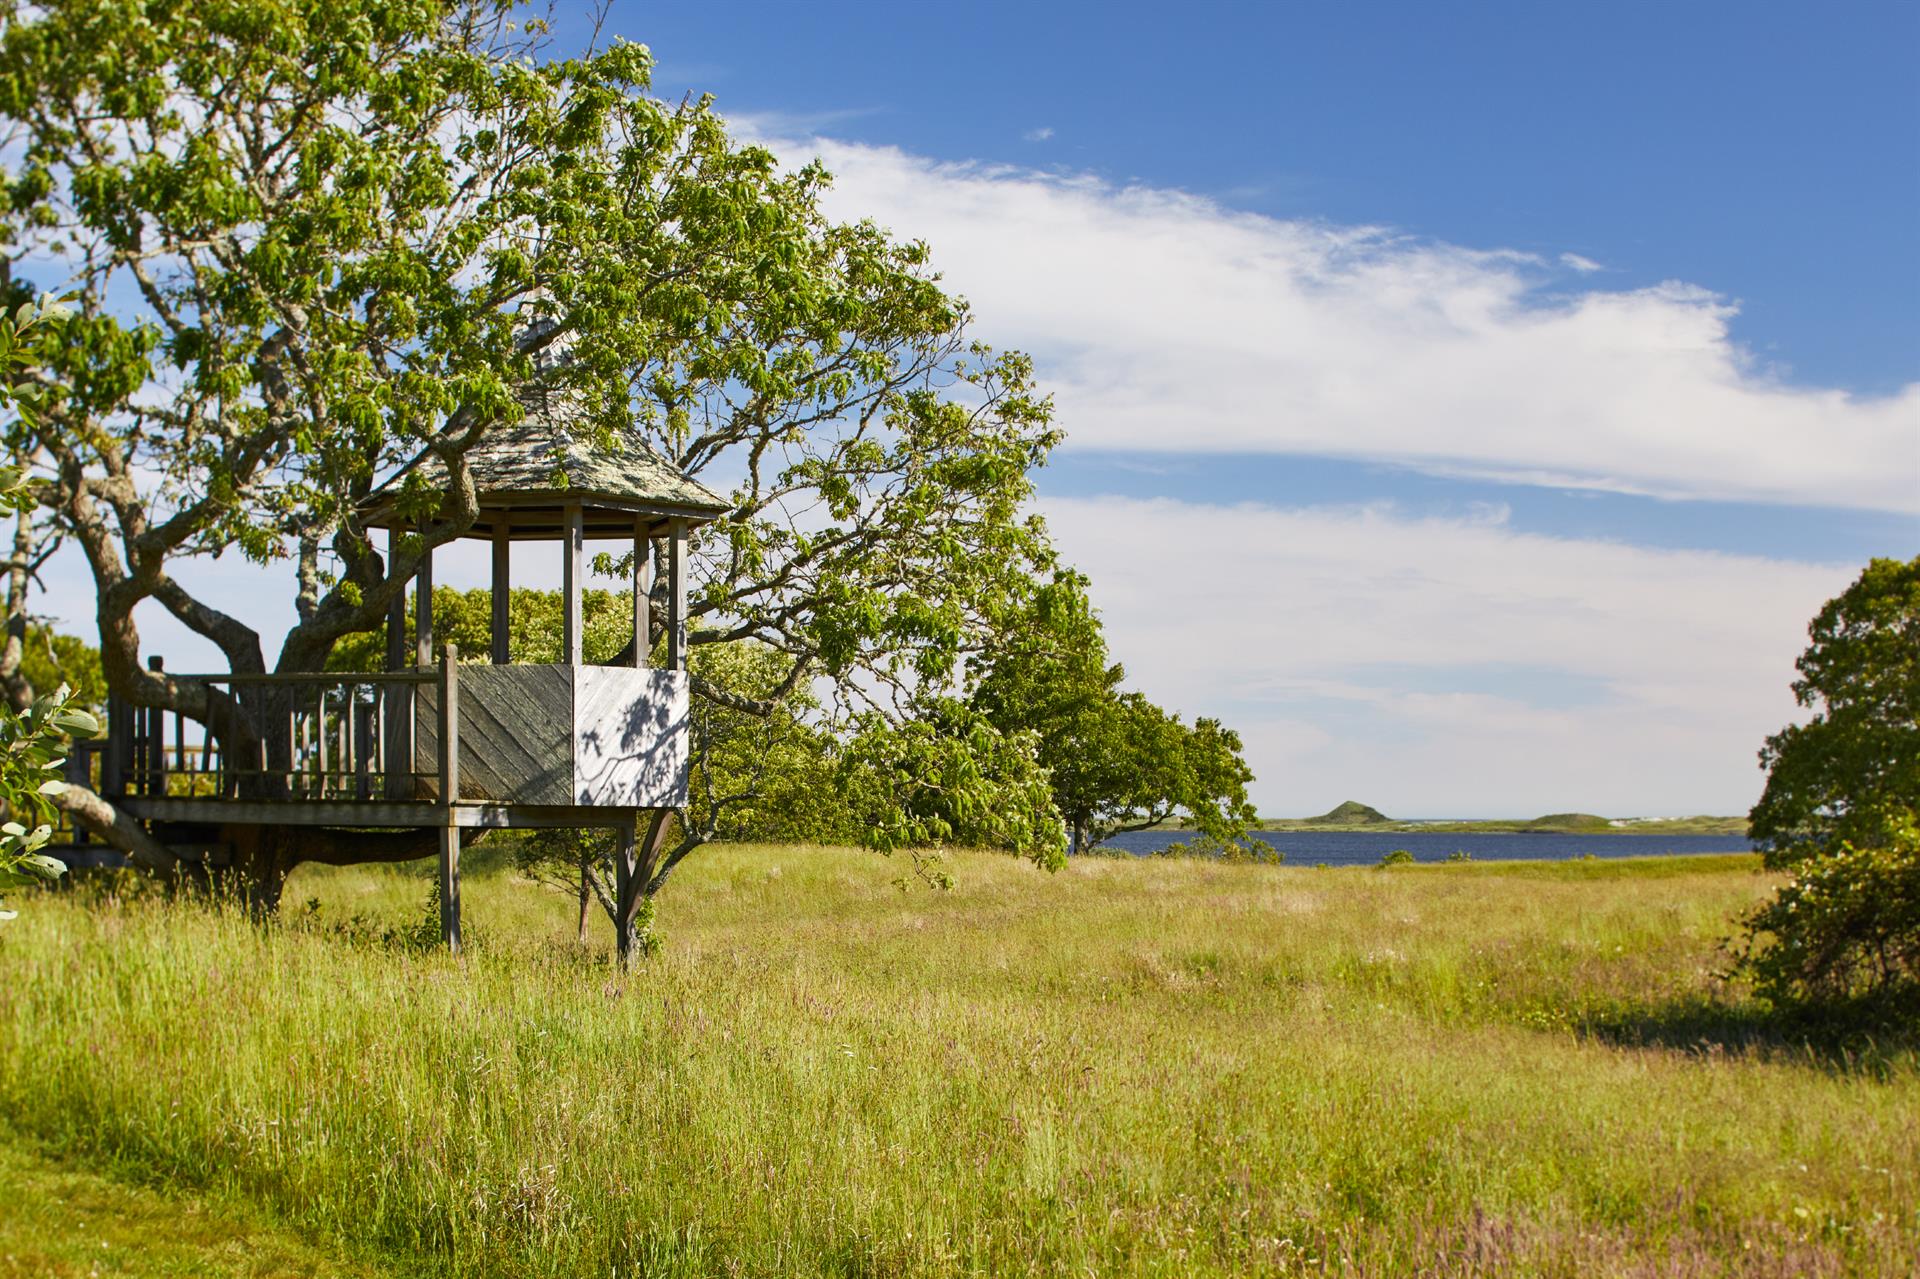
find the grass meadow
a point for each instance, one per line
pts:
(1155, 1067)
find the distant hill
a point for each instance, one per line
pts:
(1351, 814)
(1572, 822)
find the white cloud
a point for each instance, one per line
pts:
(1041, 134)
(1575, 262)
(1451, 666)
(1166, 322)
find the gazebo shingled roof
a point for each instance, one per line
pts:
(527, 473)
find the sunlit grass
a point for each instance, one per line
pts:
(1158, 1067)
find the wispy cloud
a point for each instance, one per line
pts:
(1436, 666)
(1167, 322)
(1040, 134)
(1575, 262)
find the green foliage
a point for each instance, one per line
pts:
(1116, 761)
(311, 238)
(32, 750)
(771, 777)
(49, 659)
(1459, 855)
(1398, 857)
(948, 776)
(534, 628)
(1255, 851)
(1840, 810)
(1843, 935)
(1851, 773)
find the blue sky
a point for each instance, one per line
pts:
(1469, 403)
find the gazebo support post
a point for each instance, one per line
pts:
(573, 547)
(677, 596)
(449, 795)
(642, 622)
(502, 590)
(397, 698)
(423, 608)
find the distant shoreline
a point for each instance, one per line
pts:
(1579, 824)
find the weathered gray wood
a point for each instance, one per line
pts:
(677, 595)
(154, 766)
(378, 815)
(629, 737)
(642, 583)
(502, 590)
(266, 812)
(450, 887)
(396, 612)
(423, 609)
(573, 627)
(113, 769)
(449, 724)
(516, 724)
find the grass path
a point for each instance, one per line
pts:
(60, 1222)
(1130, 1068)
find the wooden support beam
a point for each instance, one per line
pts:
(423, 609)
(573, 544)
(155, 764)
(395, 699)
(677, 596)
(450, 887)
(502, 589)
(449, 795)
(449, 724)
(113, 770)
(396, 611)
(642, 583)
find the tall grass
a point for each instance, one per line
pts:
(1155, 1068)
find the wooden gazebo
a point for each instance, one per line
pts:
(432, 743)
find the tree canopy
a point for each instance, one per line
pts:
(1851, 773)
(1841, 811)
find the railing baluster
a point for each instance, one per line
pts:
(320, 742)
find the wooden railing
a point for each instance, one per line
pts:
(299, 737)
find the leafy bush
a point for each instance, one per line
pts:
(1398, 857)
(1845, 931)
(32, 750)
(1246, 850)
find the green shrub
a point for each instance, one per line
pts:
(1247, 850)
(1398, 857)
(1844, 931)
(1459, 855)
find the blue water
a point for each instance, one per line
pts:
(1365, 848)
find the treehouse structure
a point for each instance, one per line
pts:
(433, 743)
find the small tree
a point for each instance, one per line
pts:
(1851, 773)
(1841, 808)
(1117, 761)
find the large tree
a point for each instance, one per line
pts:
(308, 238)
